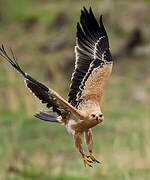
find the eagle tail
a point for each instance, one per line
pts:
(49, 116)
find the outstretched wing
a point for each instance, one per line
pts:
(45, 94)
(93, 60)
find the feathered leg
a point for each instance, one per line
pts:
(89, 142)
(78, 144)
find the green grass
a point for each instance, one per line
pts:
(36, 149)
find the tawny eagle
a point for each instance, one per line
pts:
(93, 66)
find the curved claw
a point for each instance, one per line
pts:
(92, 157)
(87, 161)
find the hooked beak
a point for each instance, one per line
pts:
(96, 118)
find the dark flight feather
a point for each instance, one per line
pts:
(49, 116)
(39, 89)
(92, 50)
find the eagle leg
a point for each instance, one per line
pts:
(89, 142)
(78, 144)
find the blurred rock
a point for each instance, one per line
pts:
(48, 74)
(29, 24)
(140, 95)
(14, 169)
(56, 45)
(68, 65)
(139, 11)
(143, 50)
(61, 20)
(134, 40)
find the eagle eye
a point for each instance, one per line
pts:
(101, 115)
(93, 115)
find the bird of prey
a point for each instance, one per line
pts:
(93, 66)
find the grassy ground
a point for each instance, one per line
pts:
(33, 149)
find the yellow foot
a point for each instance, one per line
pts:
(87, 161)
(92, 157)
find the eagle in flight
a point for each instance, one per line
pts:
(93, 66)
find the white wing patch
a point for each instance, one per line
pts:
(68, 126)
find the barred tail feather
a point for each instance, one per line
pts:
(49, 116)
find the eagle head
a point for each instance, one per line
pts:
(97, 115)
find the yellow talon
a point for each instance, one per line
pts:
(92, 157)
(87, 161)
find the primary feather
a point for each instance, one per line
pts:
(92, 51)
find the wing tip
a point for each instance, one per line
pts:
(88, 20)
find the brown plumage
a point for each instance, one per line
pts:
(92, 69)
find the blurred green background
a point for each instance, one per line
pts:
(42, 35)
